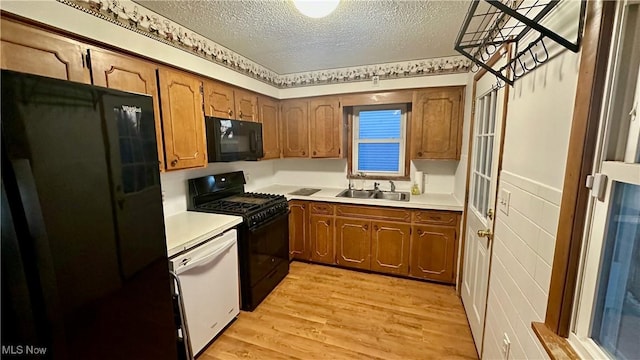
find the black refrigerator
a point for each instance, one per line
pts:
(84, 261)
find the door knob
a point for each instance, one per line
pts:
(485, 233)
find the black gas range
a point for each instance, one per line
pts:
(263, 237)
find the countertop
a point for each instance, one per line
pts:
(188, 229)
(424, 201)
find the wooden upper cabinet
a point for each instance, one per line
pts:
(218, 100)
(295, 128)
(268, 116)
(127, 73)
(433, 253)
(225, 101)
(246, 105)
(436, 124)
(182, 119)
(390, 247)
(298, 243)
(322, 238)
(29, 50)
(325, 128)
(353, 243)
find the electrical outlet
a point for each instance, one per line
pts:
(503, 201)
(506, 346)
(375, 81)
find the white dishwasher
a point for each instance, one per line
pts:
(208, 277)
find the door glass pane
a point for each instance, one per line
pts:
(489, 154)
(616, 318)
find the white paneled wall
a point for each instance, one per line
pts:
(538, 121)
(521, 267)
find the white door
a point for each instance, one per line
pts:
(484, 157)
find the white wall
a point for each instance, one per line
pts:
(258, 174)
(539, 117)
(440, 176)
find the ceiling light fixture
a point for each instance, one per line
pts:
(316, 8)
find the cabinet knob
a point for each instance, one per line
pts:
(375, 227)
(303, 153)
(314, 153)
(420, 153)
(366, 227)
(329, 222)
(230, 112)
(174, 162)
(420, 232)
(240, 114)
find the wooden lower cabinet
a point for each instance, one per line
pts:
(413, 243)
(433, 253)
(353, 243)
(298, 243)
(321, 231)
(390, 247)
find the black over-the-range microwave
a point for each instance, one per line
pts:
(233, 140)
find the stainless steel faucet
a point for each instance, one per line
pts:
(376, 186)
(393, 186)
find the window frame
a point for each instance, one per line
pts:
(583, 146)
(617, 170)
(404, 160)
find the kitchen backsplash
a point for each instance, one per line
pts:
(440, 177)
(258, 174)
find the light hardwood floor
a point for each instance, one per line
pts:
(322, 312)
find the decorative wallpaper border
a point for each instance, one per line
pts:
(143, 21)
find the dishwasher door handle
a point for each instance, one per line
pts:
(205, 259)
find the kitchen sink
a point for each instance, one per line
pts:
(360, 194)
(374, 194)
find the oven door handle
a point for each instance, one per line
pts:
(259, 227)
(205, 259)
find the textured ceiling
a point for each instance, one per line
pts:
(275, 35)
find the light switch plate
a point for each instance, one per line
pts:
(503, 201)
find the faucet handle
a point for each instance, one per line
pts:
(393, 186)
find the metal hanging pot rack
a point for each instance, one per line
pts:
(489, 24)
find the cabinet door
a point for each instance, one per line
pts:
(325, 125)
(322, 238)
(436, 125)
(246, 105)
(182, 119)
(298, 245)
(270, 135)
(433, 253)
(353, 243)
(390, 247)
(295, 129)
(28, 50)
(125, 73)
(218, 100)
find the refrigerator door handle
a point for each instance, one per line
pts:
(28, 194)
(183, 317)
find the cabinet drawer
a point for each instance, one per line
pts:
(374, 213)
(435, 218)
(321, 208)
